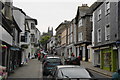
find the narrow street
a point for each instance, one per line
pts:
(34, 70)
(31, 70)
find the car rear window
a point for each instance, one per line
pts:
(75, 73)
(53, 60)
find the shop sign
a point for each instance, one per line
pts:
(105, 47)
(4, 46)
(14, 49)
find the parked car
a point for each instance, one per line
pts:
(67, 61)
(71, 72)
(50, 63)
(73, 61)
(46, 57)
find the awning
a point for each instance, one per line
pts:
(14, 49)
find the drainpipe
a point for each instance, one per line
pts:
(86, 52)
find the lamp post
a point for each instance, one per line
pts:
(118, 48)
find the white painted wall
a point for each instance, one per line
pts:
(93, 38)
(32, 31)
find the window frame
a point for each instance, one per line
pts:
(32, 26)
(80, 23)
(99, 35)
(80, 36)
(107, 32)
(99, 14)
(107, 8)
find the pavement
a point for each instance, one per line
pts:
(96, 69)
(31, 70)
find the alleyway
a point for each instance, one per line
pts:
(31, 70)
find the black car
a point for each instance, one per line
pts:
(73, 61)
(50, 63)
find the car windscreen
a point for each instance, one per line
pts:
(74, 73)
(54, 60)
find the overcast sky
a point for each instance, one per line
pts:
(50, 13)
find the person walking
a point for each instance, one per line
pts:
(72, 59)
(39, 55)
(78, 60)
(28, 55)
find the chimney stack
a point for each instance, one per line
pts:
(84, 5)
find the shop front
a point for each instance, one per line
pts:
(96, 56)
(109, 58)
(15, 58)
(4, 54)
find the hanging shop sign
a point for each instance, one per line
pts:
(4, 46)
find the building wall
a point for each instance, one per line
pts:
(32, 31)
(63, 37)
(88, 24)
(118, 11)
(111, 19)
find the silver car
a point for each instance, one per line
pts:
(72, 72)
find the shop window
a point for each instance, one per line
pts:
(107, 60)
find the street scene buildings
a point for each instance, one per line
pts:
(19, 37)
(93, 34)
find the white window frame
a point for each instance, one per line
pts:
(107, 32)
(99, 35)
(99, 14)
(80, 23)
(107, 8)
(71, 28)
(80, 36)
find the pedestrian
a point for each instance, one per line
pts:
(39, 55)
(78, 60)
(72, 59)
(116, 75)
(28, 55)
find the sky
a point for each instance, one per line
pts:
(50, 13)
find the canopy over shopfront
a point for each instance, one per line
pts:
(15, 49)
